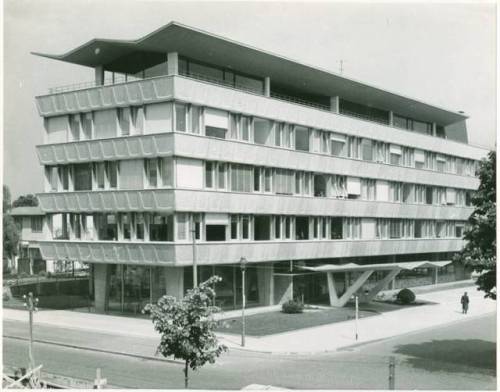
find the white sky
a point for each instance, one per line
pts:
(443, 54)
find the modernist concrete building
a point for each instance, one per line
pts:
(296, 169)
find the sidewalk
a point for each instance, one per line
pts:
(329, 337)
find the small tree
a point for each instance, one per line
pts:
(25, 201)
(480, 236)
(6, 199)
(187, 326)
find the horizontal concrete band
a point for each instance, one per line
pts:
(170, 254)
(169, 200)
(227, 150)
(207, 94)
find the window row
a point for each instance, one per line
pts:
(181, 117)
(212, 227)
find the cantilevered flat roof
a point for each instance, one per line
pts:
(124, 55)
(26, 211)
(377, 267)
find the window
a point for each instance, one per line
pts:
(215, 232)
(64, 177)
(440, 132)
(221, 176)
(395, 228)
(86, 124)
(353, 147)
(36, 224)
(352, 228)
(83, 177)
(182, 226)
(368, 189)
(74, 125)
(459, 231)
(241, 178)
(107, 228)
(408, 193)
(137, 116)
(245, 128)
(234, 227)
(262, 228)
(268, 174)
(124, 120)
(167, 169)
(233, 126)
(408, 159)
(319, 185)
(52, 178)
(262, 131)
(366, 150)
(440, 163)
(288, 227)
(160, 227)
(180, 117)
(219, 133)
(339, 186)
(209, 174)
(195, 119)
(428, 195)
(302, 228)
(277, 227)
(382, 228)
(139, 226)
(284, 181)
(245, 227)
(112, 174)
(395, 191)
(152, 172)
(336, 227)
(256, 179)
(301, 138)
(100, 175)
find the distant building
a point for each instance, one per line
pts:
(292, 167)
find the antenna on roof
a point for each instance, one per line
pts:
(341, 66)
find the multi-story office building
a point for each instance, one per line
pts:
(292, 167)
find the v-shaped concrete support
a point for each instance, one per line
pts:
(379, 286)
(340, 302)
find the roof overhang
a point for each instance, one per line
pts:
(121, 56)
(377, 267)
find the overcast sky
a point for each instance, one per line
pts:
(441, 54)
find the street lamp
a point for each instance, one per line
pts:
(243, 266)
(31, 304)
(195, 268)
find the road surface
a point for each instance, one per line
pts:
(458, 356)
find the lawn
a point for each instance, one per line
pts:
(277, 322)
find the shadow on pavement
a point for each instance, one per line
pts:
(452, 355)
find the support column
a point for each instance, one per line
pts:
(391, 119)
(434, 129)
(267, 86)
(99, 75)
(340, 302)
(335, 104)
(380, 286)
(435, 278)
(265, 283)
(174, 281)
(101, 285)
(172, 63)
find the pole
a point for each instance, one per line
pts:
(31, 305)
(357, 315)
(243, 300)
(392, 373)
(195, 267)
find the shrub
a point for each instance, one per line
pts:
(406, 296)
(292, 307)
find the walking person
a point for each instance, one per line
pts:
(465, 303)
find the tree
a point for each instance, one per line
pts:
(187, 326)
(480, 235)
(10, 237)
(6, 199)
(25, 201)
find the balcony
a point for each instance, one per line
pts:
(230, 252)
(277, 107)
(127, 147)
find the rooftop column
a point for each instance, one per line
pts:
(335, 104)
(173, 63)
(99, 75)
(267, 86)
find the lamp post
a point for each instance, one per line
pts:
(195, 267)
(243, 266)
(357, 315)
(31, 304)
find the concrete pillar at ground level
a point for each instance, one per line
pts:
(435, 279)
(101, 284)
(283, 288)
(267, 86)
(99, 75)
(265, 283)
(174, 281)
(335, 104)
(391, 119)
(172, 63)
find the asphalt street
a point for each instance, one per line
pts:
(458, 356)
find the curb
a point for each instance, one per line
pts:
(152, 358)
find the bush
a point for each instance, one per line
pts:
(292, 307)
(406, 296)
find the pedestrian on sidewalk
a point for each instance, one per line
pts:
(465, 303)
